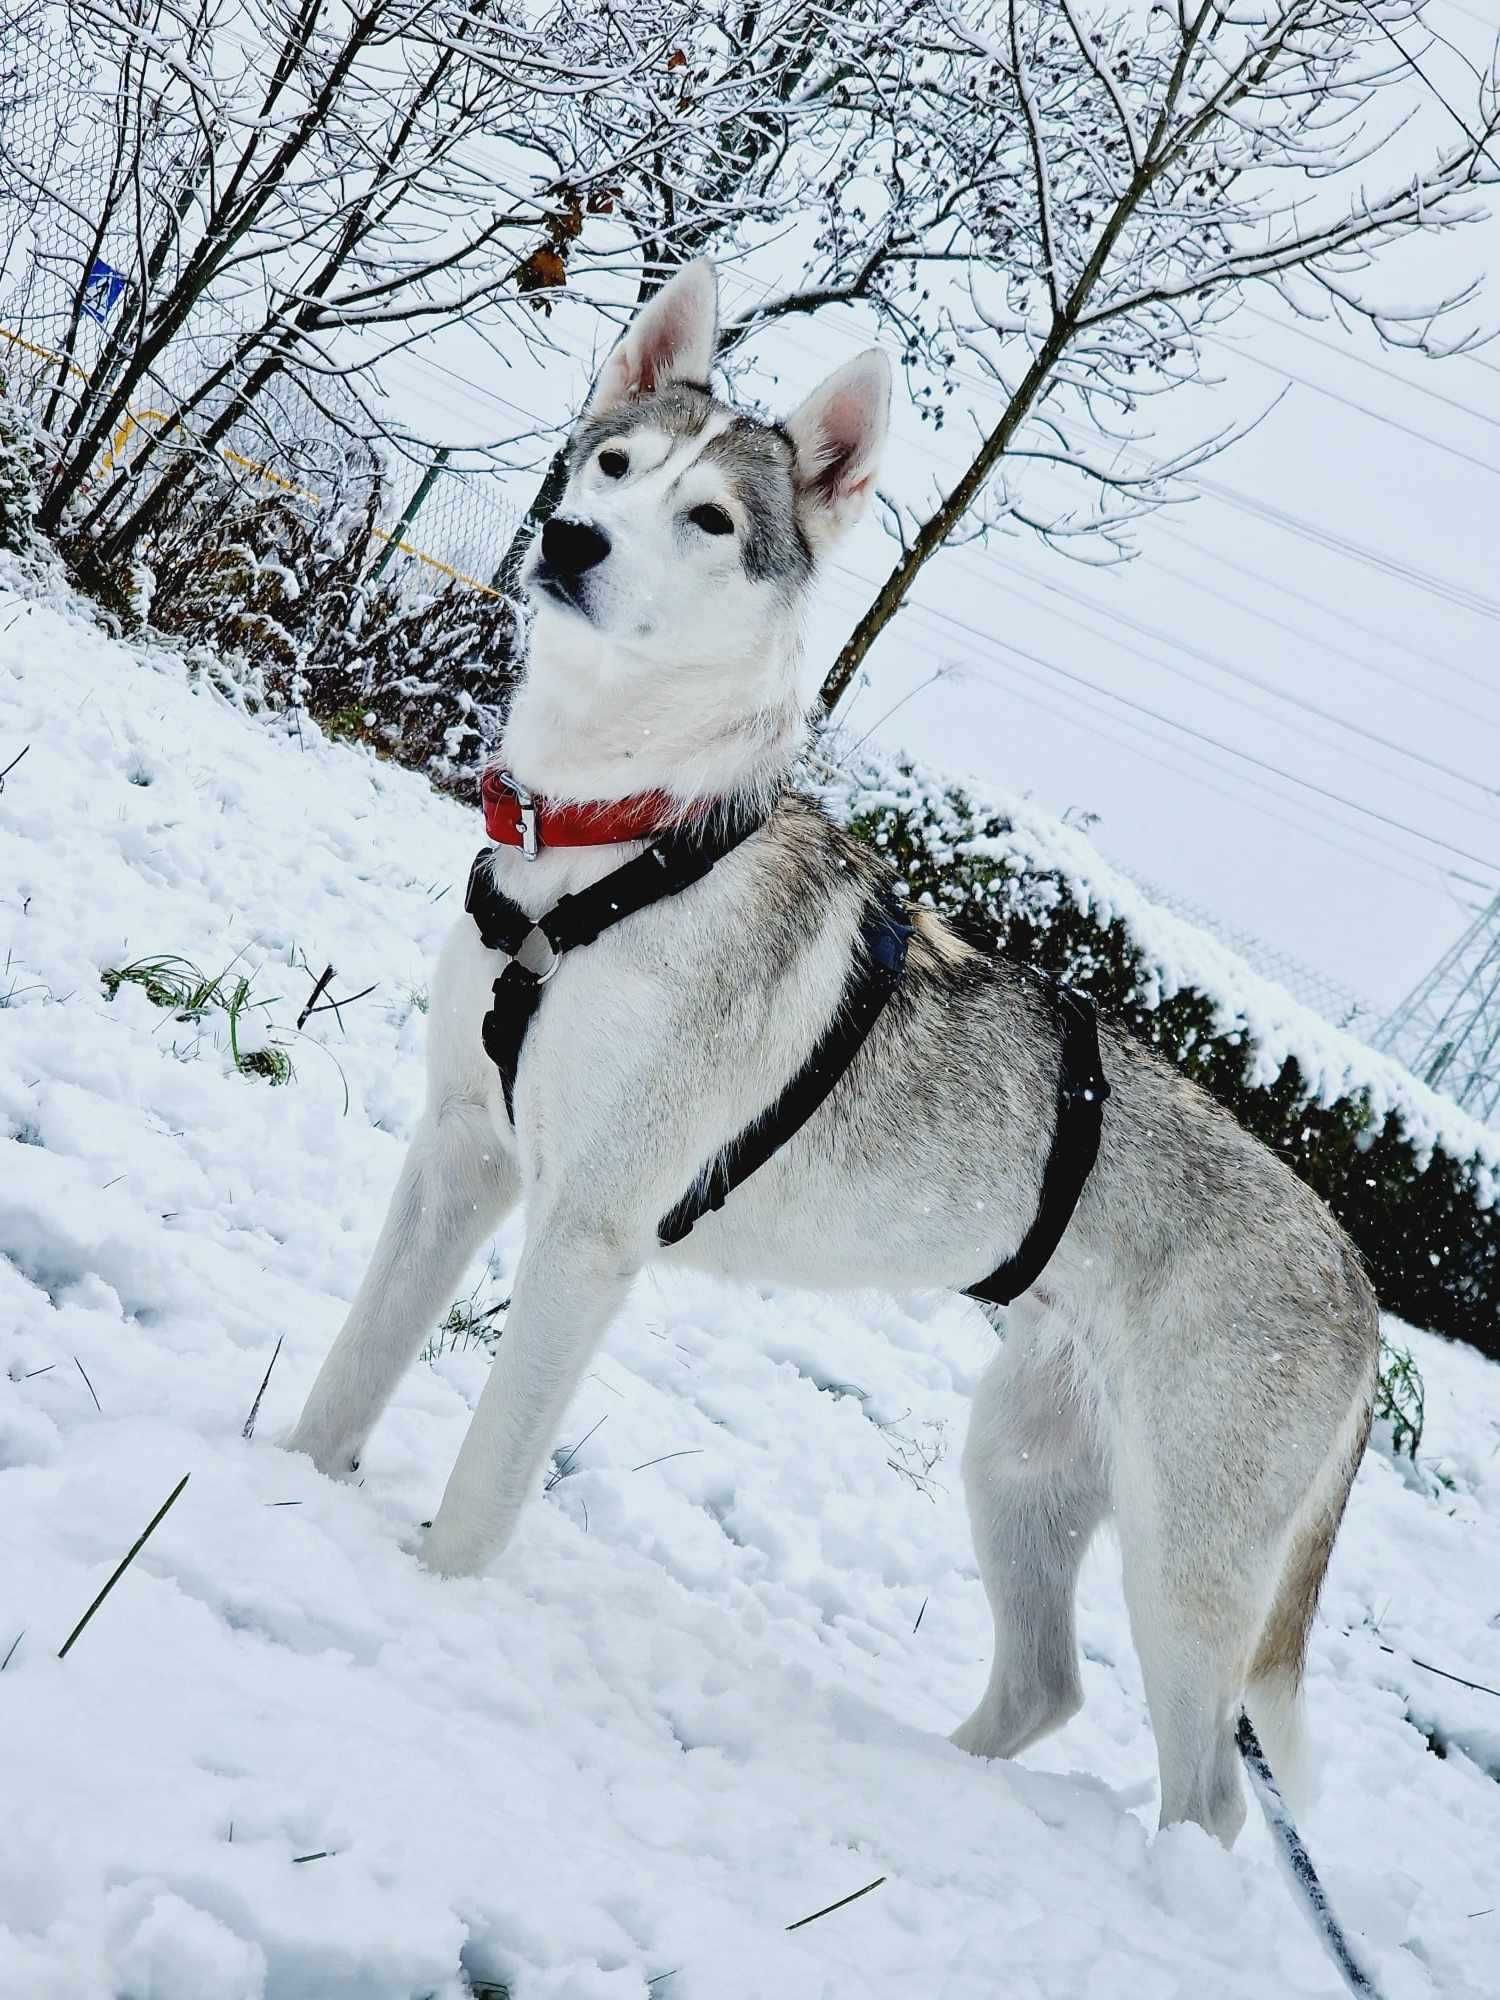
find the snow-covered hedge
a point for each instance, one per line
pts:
(1413, 1179)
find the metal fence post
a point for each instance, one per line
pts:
(413, 507)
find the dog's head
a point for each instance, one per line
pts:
(689, 533)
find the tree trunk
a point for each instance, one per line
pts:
(936, 529)
(507, 577)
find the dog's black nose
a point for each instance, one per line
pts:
(571, 547)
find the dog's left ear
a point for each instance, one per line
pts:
(839, 434)
(671, 339)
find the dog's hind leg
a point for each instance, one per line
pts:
(1226, 1499)
(1194, 1611)
(1037, 1490)
(1273, 1694)
(455, 1186)
(1204, 1501)
(574, 1275)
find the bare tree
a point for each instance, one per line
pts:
(851, 125)
(413, 163)
(1170, 166)
(304, 220)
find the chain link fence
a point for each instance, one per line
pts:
(1336, 1002)
(69, 288)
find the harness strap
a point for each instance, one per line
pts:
(664, 869)
(883, 935)
(674, 863)
(1081, 1091)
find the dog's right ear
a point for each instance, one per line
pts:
(671, 339)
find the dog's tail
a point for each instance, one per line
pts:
(1277, 1711)
(1273, 1688)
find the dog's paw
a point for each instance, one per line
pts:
(1010, 1721)
(414, 1543)
(445, 1551)
(334, 1461)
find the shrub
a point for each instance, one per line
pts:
(20, 463)
(278, 584)
(1413, 1180)
(267, 576)
(422, 678)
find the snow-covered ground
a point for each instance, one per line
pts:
(707, 1692)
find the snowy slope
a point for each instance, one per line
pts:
(706, 1693)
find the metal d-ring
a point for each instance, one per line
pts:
(555, 956)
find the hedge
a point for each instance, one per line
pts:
(1414, 1181)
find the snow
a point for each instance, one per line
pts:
(1272, 1023)
(706, 1693)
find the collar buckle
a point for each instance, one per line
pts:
(526, 815)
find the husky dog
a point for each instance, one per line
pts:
(1197, 1361)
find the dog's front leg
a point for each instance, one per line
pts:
(455, 1186)
(573, 1277)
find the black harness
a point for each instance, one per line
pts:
(670, 865)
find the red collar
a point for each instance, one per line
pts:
(518, 818)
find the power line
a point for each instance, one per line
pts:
(1350, 352)
(1218, 665)
(1339, 613)
(1282, 816)
(1286, 812)
(1202, 736)
(1469, 14)
(1364, 410)
(1425, 661)
(1248, 757)
(1367, 361)
(1456, 594)
(1417, 70)
(1258, 799)
(1055, 586)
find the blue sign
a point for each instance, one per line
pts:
(103, 289)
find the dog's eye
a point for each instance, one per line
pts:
(613, 464)
(711, 519)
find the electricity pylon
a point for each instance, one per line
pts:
(1447, 1028)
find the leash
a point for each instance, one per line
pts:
(1298, 1862)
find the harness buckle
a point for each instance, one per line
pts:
(525, 814)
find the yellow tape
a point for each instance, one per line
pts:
(45, 352)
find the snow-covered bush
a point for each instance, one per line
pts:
(268, 576)
(419, 677)
(278, 584)
(1413, 1179)
(20, 461)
